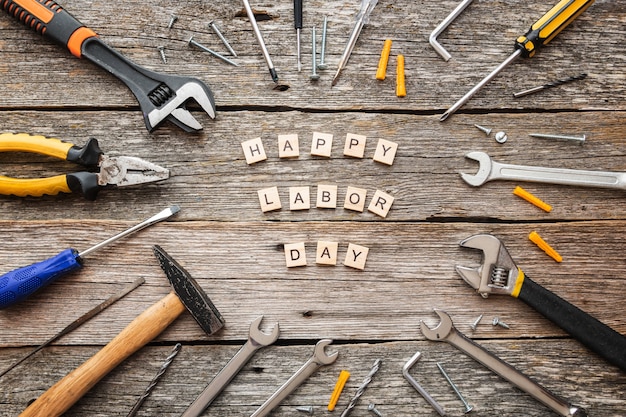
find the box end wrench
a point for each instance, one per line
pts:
(490, 170)
(319, 359)
(256, 340)
(498, 274)
(446, 332)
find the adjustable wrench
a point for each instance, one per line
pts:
(498, 274)
(446, 332)
(160, 96)
(256, 340)
(490, 170)
(319, 359)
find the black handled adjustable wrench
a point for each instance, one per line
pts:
(161, 97)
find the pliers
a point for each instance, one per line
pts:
(161, 96)
(498, 274)
(119, 170)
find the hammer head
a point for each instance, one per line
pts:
(190, 293)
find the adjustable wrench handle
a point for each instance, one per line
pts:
(591, 332)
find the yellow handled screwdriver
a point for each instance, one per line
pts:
(540, 33)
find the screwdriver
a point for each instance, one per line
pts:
(297, 23)
(540, 34)
(22, 282)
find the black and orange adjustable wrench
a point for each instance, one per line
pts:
(161, 97)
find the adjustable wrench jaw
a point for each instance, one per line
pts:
(497, 273)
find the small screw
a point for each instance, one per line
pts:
(475, 323)
(484, 129)
(468, 407)
(173, 19)
(162, 53)
(314, 75)
(372, 407)
(497, 322)
(501, 137)
(213, 26)
(322, 65)
(307, 409)
(215, 54)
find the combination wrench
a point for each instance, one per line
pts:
(256, 340)
(490, 170)
(319, 359)
(446, 332)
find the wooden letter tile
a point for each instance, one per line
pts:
(381, 203)
(288, 146)
(326, 196)
(322, 144)
(326, 253)
(253, 150)
(299, 198)
(355, 199)
(385, 152)
(269, 199)
(295, 254)
(355, 145)
(356, 256)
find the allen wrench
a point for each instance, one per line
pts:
(442, 26)
(405, 371)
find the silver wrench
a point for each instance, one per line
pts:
(490, 170)
(256, 340)
(446, 332)
(319, 359)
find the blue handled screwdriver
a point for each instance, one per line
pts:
(20, 283)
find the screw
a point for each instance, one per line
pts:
(475, 323)
(501, 137)
(372, 407)
(579, 139)
(162, 53)
(497, 322)
(484, 129)
(213, 26)
(314, 75)
(215, 54)
(468, 407)
(307, 409)
(173, 19)
(322, 65)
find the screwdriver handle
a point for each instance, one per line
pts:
(297, 14)
(22, 282)
(550, 25)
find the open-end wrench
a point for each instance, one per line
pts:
(446, 332)
(490, 170)
(256, 340)
(319, 359)
(498, 274)
(161, 96)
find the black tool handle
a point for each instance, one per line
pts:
(588, 330)
(297, 14)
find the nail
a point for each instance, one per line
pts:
(213, 26)
(580, 139)
(314, 76)
(215, 54)
(322, 65)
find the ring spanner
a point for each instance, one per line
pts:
(319, 359)
(161, 96)
(256, 340)
(446, 332)
(490, 170)
(498, 274)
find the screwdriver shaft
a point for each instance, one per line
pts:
(259, 37)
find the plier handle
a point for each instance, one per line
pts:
(120, 171)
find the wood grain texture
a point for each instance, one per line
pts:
(235, 251)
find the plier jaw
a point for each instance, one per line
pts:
(497, 273)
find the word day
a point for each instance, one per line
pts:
(321, 145)
(300, 199)
(326, 254)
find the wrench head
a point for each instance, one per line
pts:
(484, 169)
(497, 273)
(441, 331)
(259, 338)
(320, 353)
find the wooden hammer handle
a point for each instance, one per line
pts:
(147, 326)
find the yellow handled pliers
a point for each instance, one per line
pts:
(120, 171)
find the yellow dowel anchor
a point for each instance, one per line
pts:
(341, 382)
(400, 85)
(520, 192)
(381, 72)
(536, 239)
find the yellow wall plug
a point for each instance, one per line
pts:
(381, 72)
(536, 239)
(520, 192)
(341, 381)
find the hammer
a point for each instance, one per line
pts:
(148, 325)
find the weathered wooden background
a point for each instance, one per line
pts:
(234, 250)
